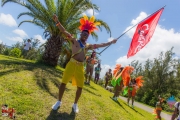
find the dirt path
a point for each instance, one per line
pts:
(148, 109)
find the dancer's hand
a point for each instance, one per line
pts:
(55, 18)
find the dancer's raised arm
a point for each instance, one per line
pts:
(62, 29)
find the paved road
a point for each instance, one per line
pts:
(148, 109)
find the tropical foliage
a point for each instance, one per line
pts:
(68, 11)
(161, 76)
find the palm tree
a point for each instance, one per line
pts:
(69, 13)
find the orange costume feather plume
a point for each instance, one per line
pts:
(88, 24)
(125, 74)
(139, 81)
(116, 69)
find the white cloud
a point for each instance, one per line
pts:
(7, 19)
(20, 32)
(162, 40)
(139, 18)
(110, 39)
(39, 37)
(90, 12)
(17, 39)
(0, 41)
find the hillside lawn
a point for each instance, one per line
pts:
(32, 88)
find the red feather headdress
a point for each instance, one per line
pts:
(88, 24)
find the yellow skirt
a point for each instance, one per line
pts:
(74, 71)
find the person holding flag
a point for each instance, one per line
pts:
(75, 68)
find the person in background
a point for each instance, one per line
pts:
(176, 111)
(117, 83)
(91, 61)
(158, 108)
(27, 47)
(131, 91)
(97, 72)
(108, 77)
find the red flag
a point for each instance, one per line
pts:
(144, 32)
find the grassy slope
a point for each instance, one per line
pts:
(32, 88)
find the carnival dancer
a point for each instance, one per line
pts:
(91, 61)
(134, 85)
(121, 78)
(75, 68)
(117, 83)
(108, 77)
(158, 109)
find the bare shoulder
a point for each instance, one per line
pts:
(73, 40)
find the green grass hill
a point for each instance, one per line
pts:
(32, 88)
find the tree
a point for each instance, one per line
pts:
(69, 13)
(161, 77)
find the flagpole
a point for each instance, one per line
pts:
(132, 27)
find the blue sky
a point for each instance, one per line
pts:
(119, 15)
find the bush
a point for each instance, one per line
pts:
(15, 52)
(34, 54)
(7, 51)
(2, 48)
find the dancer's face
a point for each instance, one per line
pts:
(84, 35)
(93, 55)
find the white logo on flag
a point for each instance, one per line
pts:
(143, 31)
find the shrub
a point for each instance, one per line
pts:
(2, 48)
(7, 51)
(15, 52)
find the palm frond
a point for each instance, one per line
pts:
(20, 2)
(38, 23)
(105, 25)
(26, 13)
(95, 36)
(69, 12)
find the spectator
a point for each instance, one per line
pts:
(27, 47)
